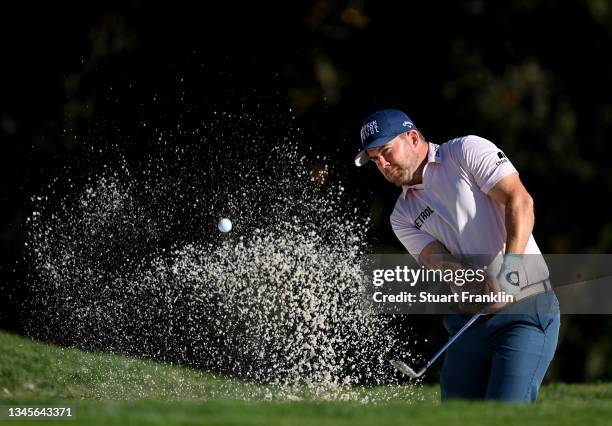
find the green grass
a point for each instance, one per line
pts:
(108, 389)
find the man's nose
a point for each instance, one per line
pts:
(381, 161)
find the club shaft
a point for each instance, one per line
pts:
(452, 339)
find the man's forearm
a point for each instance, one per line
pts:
(520, 219)
(437, 257)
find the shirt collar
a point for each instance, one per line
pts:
(434, 155)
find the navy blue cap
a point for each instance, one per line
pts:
(379, 129)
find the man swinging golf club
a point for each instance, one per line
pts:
(474, 203)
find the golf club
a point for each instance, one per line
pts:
(405, 369)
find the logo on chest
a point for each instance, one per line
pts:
(422, 217)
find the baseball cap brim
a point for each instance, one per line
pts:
(363, 157)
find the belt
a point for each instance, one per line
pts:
(533, 289)
(527, 291)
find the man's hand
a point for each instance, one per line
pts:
(488, 286)
(512, 275)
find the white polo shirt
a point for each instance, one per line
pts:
(452, 205)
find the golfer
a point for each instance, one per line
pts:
(465, 198)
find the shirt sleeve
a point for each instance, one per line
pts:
(409, 235)
(483, 160)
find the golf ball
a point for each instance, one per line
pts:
(224, 225)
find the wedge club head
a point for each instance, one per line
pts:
(403, 368)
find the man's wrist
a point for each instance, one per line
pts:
(517, 255)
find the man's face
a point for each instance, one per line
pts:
(398, 160)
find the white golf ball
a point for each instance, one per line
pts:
(224, 225)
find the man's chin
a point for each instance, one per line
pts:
(398, 180)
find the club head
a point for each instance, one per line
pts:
(403, 368)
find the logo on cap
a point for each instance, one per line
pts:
(380, 128)
(368, 129)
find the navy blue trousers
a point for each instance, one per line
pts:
(504, 356)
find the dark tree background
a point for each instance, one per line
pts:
(530, 75)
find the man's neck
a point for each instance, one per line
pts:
(417, 178)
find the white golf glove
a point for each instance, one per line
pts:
(512, 276)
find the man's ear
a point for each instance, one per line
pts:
(413, 137)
